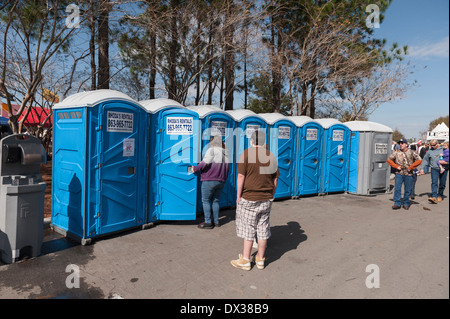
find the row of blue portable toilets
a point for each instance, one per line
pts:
(118, 163)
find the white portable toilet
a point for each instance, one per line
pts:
(370, 147)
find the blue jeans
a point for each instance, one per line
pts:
(407, 181)
(413, 184)
(211, 191)
(438, 181)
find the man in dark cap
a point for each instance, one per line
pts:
(404, 161)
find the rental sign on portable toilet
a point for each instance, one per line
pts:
(99, 164)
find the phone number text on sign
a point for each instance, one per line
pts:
(119, 122)
(179, 125)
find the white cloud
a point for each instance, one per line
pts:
(438, 49)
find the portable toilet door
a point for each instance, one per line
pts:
(246, 123)
(336, 156)
(369, 150)
(216, 122)
(282, 143)
(309, 155)
(99, 164)
(174, 146)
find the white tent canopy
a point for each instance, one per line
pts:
(440, 133)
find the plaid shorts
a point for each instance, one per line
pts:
(253, 218)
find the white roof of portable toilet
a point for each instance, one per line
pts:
(301, 120)
(92, 98)
(367, 126)
(271, 118)
(154, 105)
(239, 115)
(204, 110)
(326, 123)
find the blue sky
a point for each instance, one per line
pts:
(424, 27)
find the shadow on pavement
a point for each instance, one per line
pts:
(283, 239)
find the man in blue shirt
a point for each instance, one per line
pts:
(438, 179)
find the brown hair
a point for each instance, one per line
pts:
(216, 140)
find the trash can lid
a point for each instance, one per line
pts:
(154, 105)
(367, 126)
(92, 98)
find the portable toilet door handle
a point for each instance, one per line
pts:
(131, 170)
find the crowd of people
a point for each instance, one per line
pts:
(432, 158)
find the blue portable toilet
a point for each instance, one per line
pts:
(216, 122)
(335, 156)
(247, 122)
(309, 155)
(99, 164)
(174, 145)
(370, 147)
(282, 143)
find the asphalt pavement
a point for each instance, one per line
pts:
(332, 246)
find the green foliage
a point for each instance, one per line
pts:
(262, 100)
(397, 135)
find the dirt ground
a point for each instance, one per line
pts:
(46, 171)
